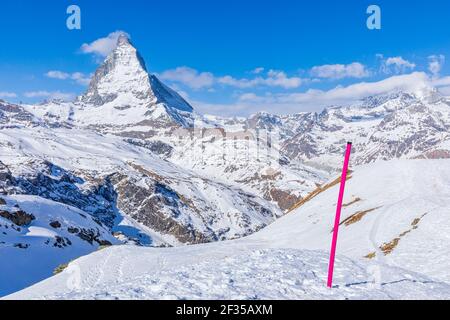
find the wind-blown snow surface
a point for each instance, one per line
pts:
(411, 198)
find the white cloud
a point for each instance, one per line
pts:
(189, 77)
(257, 70)
(340, 71)
(36, 94)
(78, 77)
(273, 79)
(316, 100)
(58, 95)
(238, 83)
(442, 84)
(248, 97)
(199, 80)
(397, 65)
(5, 94)
(180, 91)
(339, 95)
(435, 64)
(57, 75)
(103, 46)
(280, 79)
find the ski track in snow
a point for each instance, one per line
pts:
(252, 274)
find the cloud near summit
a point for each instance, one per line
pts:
(104, 46)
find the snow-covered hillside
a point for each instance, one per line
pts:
(395, 212)
(405, 199)
(37, 235)
(244, 272)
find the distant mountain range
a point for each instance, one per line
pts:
(141, 166)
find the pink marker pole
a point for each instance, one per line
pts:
(338, 215)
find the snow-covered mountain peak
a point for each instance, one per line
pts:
(127, 94)
(120, 78)
(123, 39)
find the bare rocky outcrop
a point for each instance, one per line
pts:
(284, 199)
(6, 179)
(157, 207)
(19, 217)
(52, 182)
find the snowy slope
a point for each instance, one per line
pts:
(245, 271)
(37, 235)
(278, 263)
(394, 212)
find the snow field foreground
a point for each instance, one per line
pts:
(230, 270)
(289, 259)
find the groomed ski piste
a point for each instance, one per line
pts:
(393, 244)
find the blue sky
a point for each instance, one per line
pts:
(231, 57)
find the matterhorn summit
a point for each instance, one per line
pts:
(122, 78)
(123, 92)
